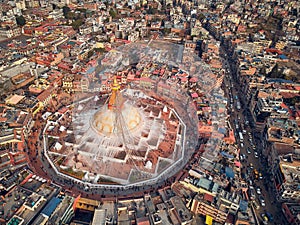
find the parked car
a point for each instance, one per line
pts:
(255, 204)
(244, 176)
(251, 192)
(255, 154)
(248, 172)
(250, 182)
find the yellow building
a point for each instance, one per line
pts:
(87, 204)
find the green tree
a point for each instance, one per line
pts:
(295, 100)
(82, 10)
(263, 71)
(20, 20)
(200, 17)
(88, 14)
(66, 11)
(276, 72)
(112, 13)
(71, 16)
(166, 31)
(152, 10)
(76, 24)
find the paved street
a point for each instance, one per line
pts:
(251, 142)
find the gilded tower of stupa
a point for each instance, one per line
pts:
(115, 96)
(118, 115)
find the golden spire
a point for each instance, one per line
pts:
(115, 89)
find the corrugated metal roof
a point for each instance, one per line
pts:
(51, 206)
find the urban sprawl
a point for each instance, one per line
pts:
(149, 112)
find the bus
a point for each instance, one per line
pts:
(241, 137)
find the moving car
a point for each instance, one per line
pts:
(242, 157)
(270, 216)
(264, 218)
(251, 141)
(262, 201)
(248, 150)
(258, 190)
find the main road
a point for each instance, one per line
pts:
(238, 118)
